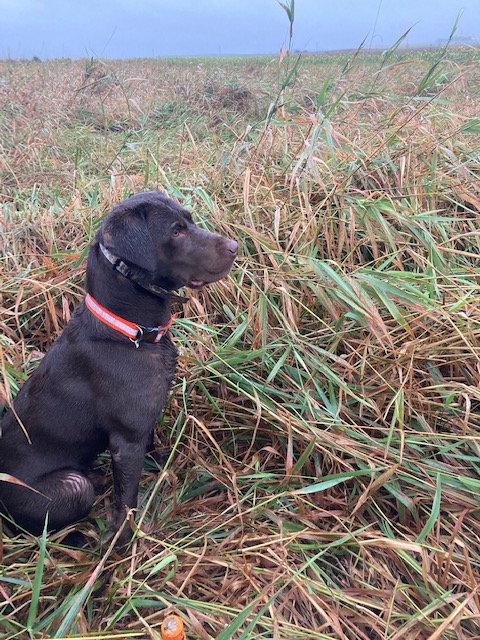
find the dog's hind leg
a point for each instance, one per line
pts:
(66, 496)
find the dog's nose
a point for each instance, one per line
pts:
(232, 246)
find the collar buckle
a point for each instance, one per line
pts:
(147, 334)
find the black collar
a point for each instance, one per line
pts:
(122, 268)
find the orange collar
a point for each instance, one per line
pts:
(136, 332)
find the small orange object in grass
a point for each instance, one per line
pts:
(172, 628)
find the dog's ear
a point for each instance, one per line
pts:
(127, 236)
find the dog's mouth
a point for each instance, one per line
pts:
(197, 283)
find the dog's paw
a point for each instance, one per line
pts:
(121, 531)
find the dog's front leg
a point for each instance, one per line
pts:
(127, 463)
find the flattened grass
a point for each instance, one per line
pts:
(324, 475)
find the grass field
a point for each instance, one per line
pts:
(324, 479)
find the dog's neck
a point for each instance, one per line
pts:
(121, 296)
(139, 278)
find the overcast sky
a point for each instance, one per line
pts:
(143, 28)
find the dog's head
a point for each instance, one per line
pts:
(155, 234)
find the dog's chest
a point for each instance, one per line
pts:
(135, 383)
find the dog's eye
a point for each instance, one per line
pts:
(178, 229)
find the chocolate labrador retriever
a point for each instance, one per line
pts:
(105, 380)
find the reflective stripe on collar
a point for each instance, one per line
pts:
(133, 331)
